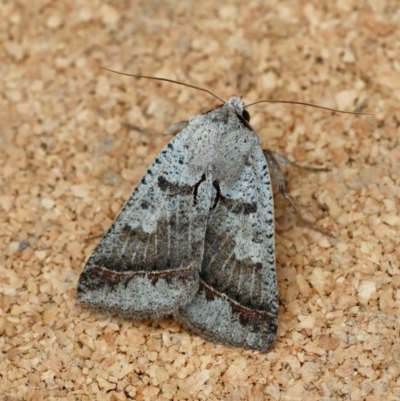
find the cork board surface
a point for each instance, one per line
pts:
(75, 140)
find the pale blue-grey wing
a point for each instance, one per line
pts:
(236, 303)
(147, 264)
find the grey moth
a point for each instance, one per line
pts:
(196, 238)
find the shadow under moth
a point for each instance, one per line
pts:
(196, 238)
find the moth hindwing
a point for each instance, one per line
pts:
(196, 237)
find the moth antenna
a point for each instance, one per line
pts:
(166, 80)
(307, 104)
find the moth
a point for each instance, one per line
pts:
(196, 238)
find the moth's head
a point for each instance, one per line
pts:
(237, 104)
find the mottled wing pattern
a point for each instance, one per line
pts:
(148, 263)
(237, 299)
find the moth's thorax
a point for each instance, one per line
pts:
(219, 143)
(236, 103)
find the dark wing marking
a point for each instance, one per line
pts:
(237, 299)
(148, 263)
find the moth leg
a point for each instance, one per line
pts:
(273, 159)
(176, 128)
(93, 236)
(288, 163)
(173, 129)
(282, 160)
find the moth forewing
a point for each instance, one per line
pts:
(236, 304)
(147, 264)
